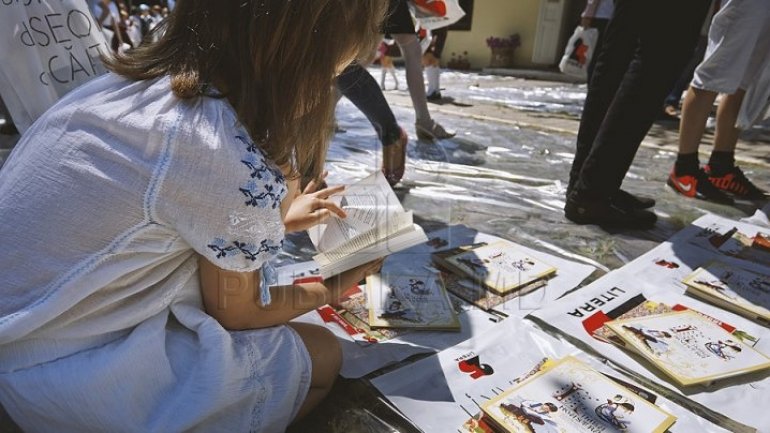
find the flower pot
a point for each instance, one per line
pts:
(502, 57)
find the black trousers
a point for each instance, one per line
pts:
(358, 85)
(646, 46)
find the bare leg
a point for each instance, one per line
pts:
(326, 357)
(695, 112)
(410, 49)
(726, 137)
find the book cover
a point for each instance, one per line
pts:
(479, 295)
(739, 290)
(569, 396)
(500, 266)
(689, 347)
(406, 301)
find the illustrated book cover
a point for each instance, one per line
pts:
(739, 290)
(408, 301)
(569, 396)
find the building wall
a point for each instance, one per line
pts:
(499, 18)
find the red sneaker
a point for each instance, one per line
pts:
(735, 182)
(697, 186)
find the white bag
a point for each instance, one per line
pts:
(579, 51)
(431, 21)
(49, 47)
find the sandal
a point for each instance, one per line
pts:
(394, 159)
(432, 131)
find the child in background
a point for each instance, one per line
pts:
(386, 62)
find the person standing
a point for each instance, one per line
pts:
(738, 51)
(635, 69)
(596, 14)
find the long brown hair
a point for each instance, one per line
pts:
(275, 61)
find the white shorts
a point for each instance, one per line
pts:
(738, 47)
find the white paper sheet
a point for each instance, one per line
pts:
(655, 276)
(438, 396)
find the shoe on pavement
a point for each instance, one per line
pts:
(435, 96)
(394, 159)
(735, 182)
(628, 201)
(697, 185)
(432, 131)
(606, 214)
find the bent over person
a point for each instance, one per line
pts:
(142, 209)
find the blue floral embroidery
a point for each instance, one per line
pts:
(249, 250)
(258, 194)
(223, 250)
(273, 182)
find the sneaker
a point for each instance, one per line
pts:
(432, 131)
(628, 201)
(697, 186)
(607, 214)
(736, 183)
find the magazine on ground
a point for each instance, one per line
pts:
(500, 266)
(570, 396)
(739, 290)
(410, 301)
(689, 347)
(376, 226)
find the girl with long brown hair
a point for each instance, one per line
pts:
(140, 214)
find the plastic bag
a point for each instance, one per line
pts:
(579, 51)
(55, 47)
(435, 14)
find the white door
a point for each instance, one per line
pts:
(548, 33)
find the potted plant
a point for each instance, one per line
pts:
(502, 50)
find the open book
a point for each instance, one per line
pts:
(375, 227)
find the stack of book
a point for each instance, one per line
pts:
(488, 275)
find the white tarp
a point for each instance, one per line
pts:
(48, 49)
(657, 276)
(439, 396)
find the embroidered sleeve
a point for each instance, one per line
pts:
(222, 195)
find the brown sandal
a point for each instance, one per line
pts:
(394, 159)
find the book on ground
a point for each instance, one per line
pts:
(500, 266)
(570, 396)
(407, 301)
(739, 290)
(376, 226)
(689, 347)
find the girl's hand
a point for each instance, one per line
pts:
(312, 207)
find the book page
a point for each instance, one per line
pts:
(372, 208)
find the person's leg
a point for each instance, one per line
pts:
(659, 61)
(601, 26)
(358, 85)
(425, 126)
(326, 356)
(683, 83)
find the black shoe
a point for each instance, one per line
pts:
(626, 200)
(435, 96)
(8, 128)
(607, 214)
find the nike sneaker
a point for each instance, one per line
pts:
(697, 185)
(735, 182)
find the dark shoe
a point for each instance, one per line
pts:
(394, 159)
(735, 182)
(626, 200)
(435, 96)
(8, 128)
(697, 185)
(605, 213)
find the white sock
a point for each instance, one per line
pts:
(433, 73)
